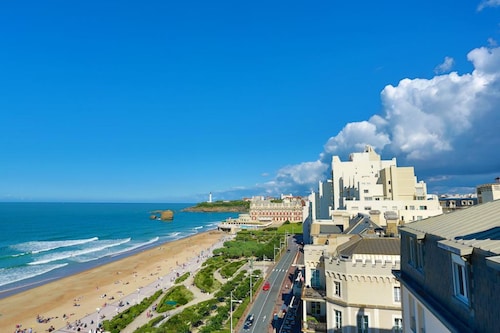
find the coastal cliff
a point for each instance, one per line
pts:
(237, 206)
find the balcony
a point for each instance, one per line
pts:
(311, 293)
(315, 325)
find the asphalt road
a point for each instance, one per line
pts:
(263, 306)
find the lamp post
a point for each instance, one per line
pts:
(231, 313)
(251, 291)
(138, 293)
(274, 253)
(97, 322)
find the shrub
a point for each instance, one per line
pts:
(179, 294)
(120, 321)
(182, 278)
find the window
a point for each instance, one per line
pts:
(460, 278)
(362, 323)
(415, 253)
(336, 288)
(315, 281)
(338, 321)
(397, 294)
(365, 191)
(411, 250)
(315, 308)
(413, 320)
(398, 325)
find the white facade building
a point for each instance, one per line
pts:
(488, 192)
(366, 184)
(350, 285)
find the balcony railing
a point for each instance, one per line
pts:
(314, 326)
(313, 293)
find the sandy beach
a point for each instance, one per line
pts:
(72, 298)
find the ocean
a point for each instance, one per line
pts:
(41, 242)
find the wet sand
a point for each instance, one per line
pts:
(74, 297)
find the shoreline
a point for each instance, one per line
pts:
(63, 272)
(76, 296)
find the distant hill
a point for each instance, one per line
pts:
(236, 206)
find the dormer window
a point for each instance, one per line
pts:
(460, 278)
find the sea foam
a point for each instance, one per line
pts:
(15, 274)
(44, 246)
(96, 246)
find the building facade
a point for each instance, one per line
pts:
(488, 192)
(277, 211)
(373, 186)
(450, 271)
(452, 203)
(350, 286)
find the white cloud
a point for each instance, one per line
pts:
(488, 3)
(444, 125)
(445, 66)
(357, 135)
(303, 173)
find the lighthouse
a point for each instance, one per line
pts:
(210, 197)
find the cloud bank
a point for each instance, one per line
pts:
(445, 127)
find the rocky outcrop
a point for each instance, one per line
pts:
(163, 215)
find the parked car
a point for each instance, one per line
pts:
(267, 286)
(249, 321)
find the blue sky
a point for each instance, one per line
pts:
(163, 101)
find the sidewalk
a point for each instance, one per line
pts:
(143, 319)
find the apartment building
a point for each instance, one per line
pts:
(451, 203)
(349, 285)
(450, 271)
(370, 185)
(488, 192)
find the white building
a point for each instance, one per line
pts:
(350, 285)
(488, 192)
(367, 184)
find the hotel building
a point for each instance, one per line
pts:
(277, 211)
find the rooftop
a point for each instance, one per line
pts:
(477, 226)
(371, 246)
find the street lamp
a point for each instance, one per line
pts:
(97, 322)
(274, 253)
(251, 291)
(138, 293)
(231, 313)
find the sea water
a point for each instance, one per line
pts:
(40, 242)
